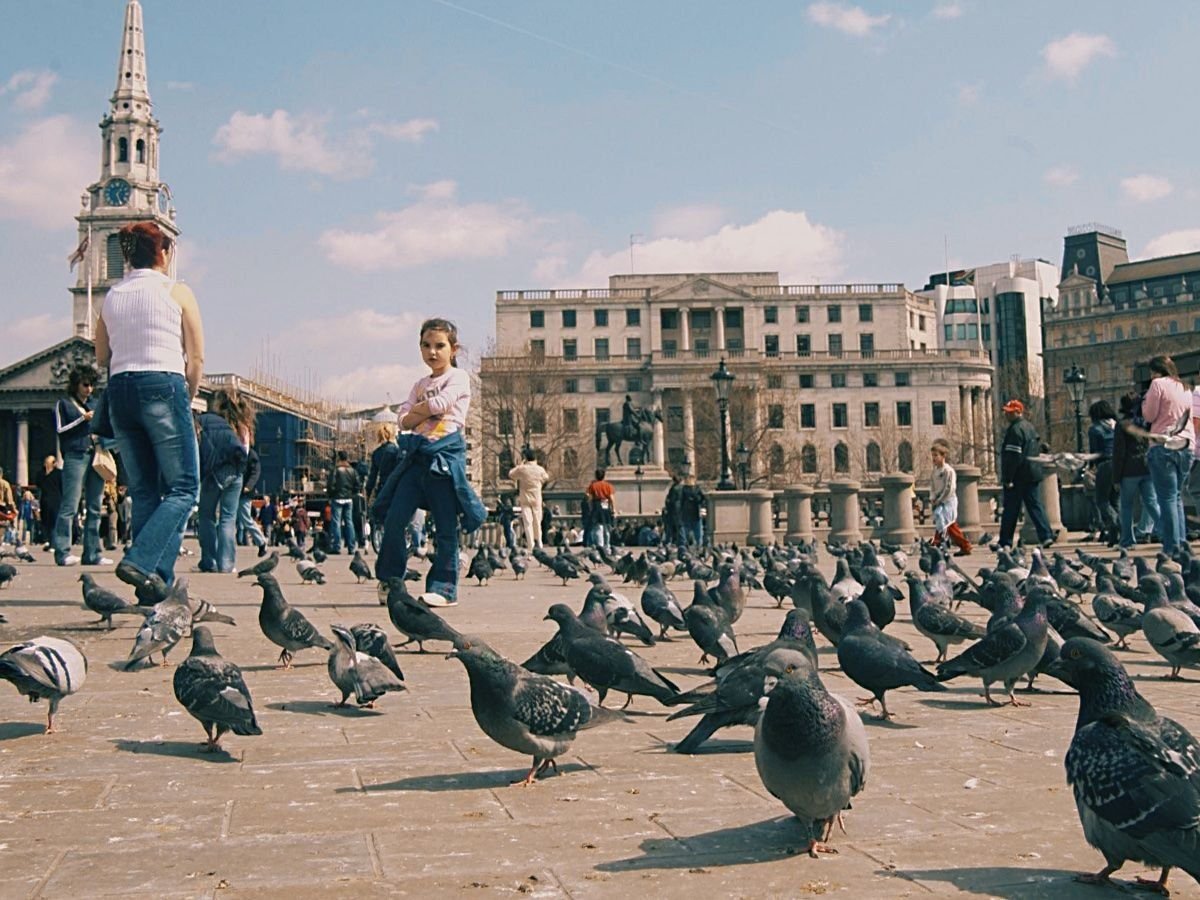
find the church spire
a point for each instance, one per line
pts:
(132, 95)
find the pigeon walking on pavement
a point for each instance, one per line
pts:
(1010, 650)
(373, 641)
(214, 692)
(285, 626)
(660, 604)
(262, 567)
(709, 626)
(876, 665)
(106, 604)
(359, 568)
(309, 572)
(358, 673)
(414, 619)
(937, 622)
(164, 627)
(46, 668)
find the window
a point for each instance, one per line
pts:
(603, 417)
(949, 331)
(603, 385)
(874, 458)
(114, 259)
(904, 413)
(837, 379)
(833, 313)
(506, 460)
(571, 386)
(122, 150)
(802, 315)
(972, 332)
(1119, 332)
(674, 419)
(535, 422)
(1173, 327)
(905, 456)
(733, 318)
(504, 421)
(601, 348)
(600, 318)
(140, 148)
(700, 345)
(985, 331)
(537, 349)
(568, 318)
(961, 332)
(939, 412)
(775, 415)
(841, 415)
(569, 349)
(866, 312)
(537, 318)
(920, 323)
(669, 346)
(835, 345)
(902, 379)
(841, 459)
(771, 315)
(866, 344)
(806, 378)
(633, 384)
(870, 379)
(633, 317)
(633, 348)
(808, 459)
(808, 415)
(771, 344)
(774, 382)
(871, 415)
(803, 344)
(701, 319)
(669, 319)
(776, 460)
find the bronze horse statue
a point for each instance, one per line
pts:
(641, 434)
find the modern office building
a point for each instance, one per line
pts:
(830, 380)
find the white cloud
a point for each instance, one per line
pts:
(436, 190)
(1173, 242)
(1144, 188)
(852, 20)
(1068, 56)
(1061, 176)
(30, 88)
(434, 229)
(782, 241)
(948, 11)
(180, 86)
(372, 385)
(42, 171)
(968, 94)
(302, 142)
(27, 336)
(691, 221)
(354, 328)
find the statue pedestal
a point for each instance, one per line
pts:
(626, 489)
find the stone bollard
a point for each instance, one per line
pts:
(898, 508)
(762, 527)
(728, 516)
(1048, 494)
(798, 501)
(968, 501)
(844, 514)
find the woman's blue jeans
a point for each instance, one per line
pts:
(78, 478)
(1169, 470)
(216, 524)
(152, 418)
(420, 488)
(1131, 488)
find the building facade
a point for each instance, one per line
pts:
(1112, 315)
(830, 380)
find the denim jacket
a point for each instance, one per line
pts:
(447, 458)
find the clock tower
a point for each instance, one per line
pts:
(129, 188)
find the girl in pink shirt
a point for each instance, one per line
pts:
(1167, 404)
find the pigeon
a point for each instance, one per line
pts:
(796, 633)
(519, 567)
(875, 665)
(1072, 583)
(1070, 621)
(936, 622)
(213, 692)
(829, 612)
(373, 641)
(319, 556)
(106, 604)
(7, 574)
(729, 593)
(563, 569)
(605, 664)
(708, 625)
(295, 551)
(880, 603)
(810, 748)
(359, 568)
(1120, 616)
(481, 567)
(262, 567)
(1008, 652)
(204, 611)
(284, 626)
(45, 667)
(1170, 631)
(1135, 774)
(164, 627)
(357, 673)
(523, 711)
(623, 618)
(414, 619)
(309, 573)
(845, 586)
(661, 605)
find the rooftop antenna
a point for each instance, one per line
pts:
(633, 239)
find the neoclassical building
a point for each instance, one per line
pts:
(830, 380)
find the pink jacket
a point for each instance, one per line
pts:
(1165, 403)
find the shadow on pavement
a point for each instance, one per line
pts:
(1008, 882)
(324, 708)
(275, 666)
(466, 781)
(188, 749)
(12, 730)
(765, 841)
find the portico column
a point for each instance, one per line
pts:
(719, 313)
(659, 450)
(964, 428)
(989, 428)
(685, 329)
(978, 442)
(689, 429)
(21, 475)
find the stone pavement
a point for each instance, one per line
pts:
(412, 799)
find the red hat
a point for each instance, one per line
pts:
(1014, 406)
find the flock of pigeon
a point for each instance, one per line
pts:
(1135, 774)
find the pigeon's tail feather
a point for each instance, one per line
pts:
(247, 729)
(704, 729)
(143, 611)
(927, 682)
(319, 640)
(602, 715)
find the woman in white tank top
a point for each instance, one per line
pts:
(150, 336)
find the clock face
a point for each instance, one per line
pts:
(164, 199)
(116, 192)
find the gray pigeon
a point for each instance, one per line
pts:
(373, 641)
(523, 711)
(7, 574)
(1135, 774)
(359, 568)
(164, 627)
(45, 667)
(261, 568)
(414, 619)
(660, 604)
(284, 626)
(709, 626)
(1170, 631)
(106, 604)
(1010, 650)
(309, 573)
(213, 691)
(874, 664)
(810, 748)
(937, 622)
(358, 673)
(1120, 616)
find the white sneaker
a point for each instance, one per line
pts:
(381, 592)
(103, 561)
(432, 598)
(71, 560)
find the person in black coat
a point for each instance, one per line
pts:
(49, 485)
(1021, 475)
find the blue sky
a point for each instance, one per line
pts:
(343, 170)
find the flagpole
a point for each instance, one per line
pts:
(88, 332)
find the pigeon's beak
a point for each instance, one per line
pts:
(769, 684)
(1058, 669)
(545, 618)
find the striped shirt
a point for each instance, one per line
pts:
(144, 323)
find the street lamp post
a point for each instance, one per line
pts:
(638, 475)
(1076, 381)
(722, 380)
(743, 462)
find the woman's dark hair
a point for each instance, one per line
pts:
(84, 373)
(1163, 365)
(236, 410)
(446, 326)
(1101, 410)
(1131, 404)
(143, 244)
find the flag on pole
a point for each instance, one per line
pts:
(80, 252)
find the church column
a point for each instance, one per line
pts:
(964, 425)
(685, 330)
(21, 475)
(989, 432)
(978, 442)
(719, 315)
(660, 452)
(689, 429)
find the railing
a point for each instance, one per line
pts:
(757, 290)
(613, 360)
(575, 294)
(823, 290)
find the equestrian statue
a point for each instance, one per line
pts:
(636, 426)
